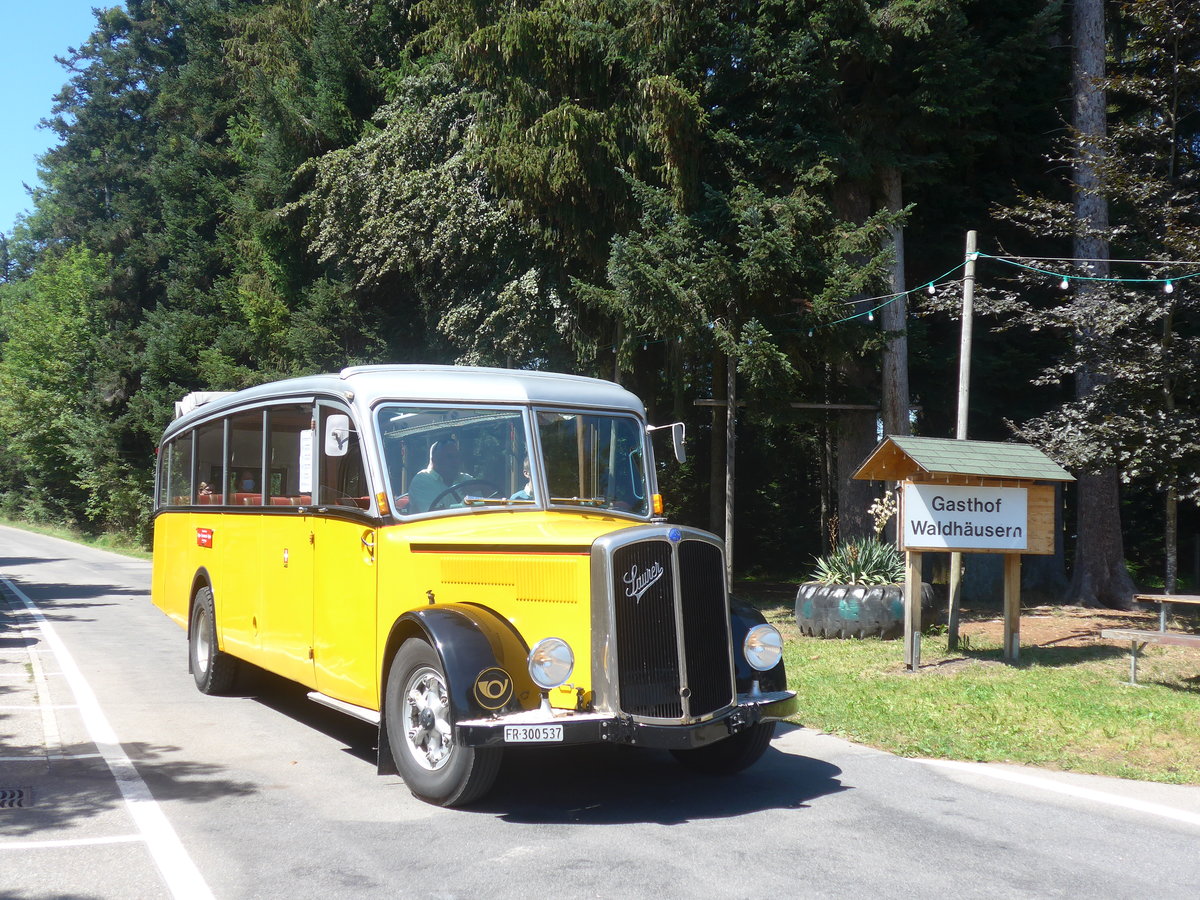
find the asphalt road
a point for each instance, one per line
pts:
(119, 780)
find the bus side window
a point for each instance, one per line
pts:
(177, 472)
(210, 464)
(289, 425)
(245, 459)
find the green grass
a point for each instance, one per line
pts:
(114, 543)
(1064, 708)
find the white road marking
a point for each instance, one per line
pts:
(49, 722)
(180, 873)
(1070, 790)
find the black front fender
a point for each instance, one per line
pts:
(482, 656)
(472, 641)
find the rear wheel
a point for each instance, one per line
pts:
(420, 730)
(213, 670)
(730, 755)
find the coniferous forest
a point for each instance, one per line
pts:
(650, 191)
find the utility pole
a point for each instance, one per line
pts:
(730, 445)
(964, 394)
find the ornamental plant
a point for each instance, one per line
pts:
(860, 561)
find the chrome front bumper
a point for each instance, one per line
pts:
(602, 727)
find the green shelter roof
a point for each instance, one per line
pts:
(899, 457)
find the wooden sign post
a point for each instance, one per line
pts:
(968, 497)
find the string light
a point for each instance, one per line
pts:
(1168, 284)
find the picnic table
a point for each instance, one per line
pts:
(1138, 638)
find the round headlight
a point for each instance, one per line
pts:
(551, 662)
(763, 647)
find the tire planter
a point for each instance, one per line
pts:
(855, 610)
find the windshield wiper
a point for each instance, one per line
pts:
(496, 501)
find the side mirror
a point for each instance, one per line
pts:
(678, 433)
(337, 435)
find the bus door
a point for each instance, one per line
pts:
(345, 528)
(285, 614)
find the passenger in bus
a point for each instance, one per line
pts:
(441, 473)
(246, 482)
(526, 493)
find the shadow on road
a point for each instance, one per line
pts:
(593, 784)
(65, 792)
(605, 785)
(56, 600)
(291, 699)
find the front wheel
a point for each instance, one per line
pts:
(420, 730)
(213, 669)
(730, 755)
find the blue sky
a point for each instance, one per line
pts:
(33, 34)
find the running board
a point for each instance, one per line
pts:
(370, 716)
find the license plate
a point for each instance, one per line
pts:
(532, 734)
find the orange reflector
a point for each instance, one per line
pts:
(381, 502)
(657, 502)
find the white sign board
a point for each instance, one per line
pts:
(952, 517)
(306, 462)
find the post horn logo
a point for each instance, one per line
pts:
(493, 688)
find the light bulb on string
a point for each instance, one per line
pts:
(1168, 288)
(1065, 283)
(931, 289)
(871, 316)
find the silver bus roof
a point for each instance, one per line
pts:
(365, 386)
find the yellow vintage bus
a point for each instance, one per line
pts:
(467, 558)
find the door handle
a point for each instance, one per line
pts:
(368, 541)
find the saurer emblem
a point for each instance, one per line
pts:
(641, 580)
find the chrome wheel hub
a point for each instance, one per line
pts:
(426, 715)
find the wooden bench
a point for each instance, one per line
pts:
(1139, 638)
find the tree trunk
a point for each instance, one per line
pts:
(1099, 576)
(856, 438)
(894, 321)
(1171, 541)
(716, 464)
(829, 529)
(856, 430)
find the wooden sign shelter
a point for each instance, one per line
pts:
(969, 497)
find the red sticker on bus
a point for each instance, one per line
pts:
(204, 537)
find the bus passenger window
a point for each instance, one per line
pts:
(176, 472)
(287, 432)
(245, 459)
(210, 440)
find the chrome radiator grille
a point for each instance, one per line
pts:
(671, 629)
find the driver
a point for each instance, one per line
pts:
(441, 473)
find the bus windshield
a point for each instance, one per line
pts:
(442, 458)
(594, 459)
